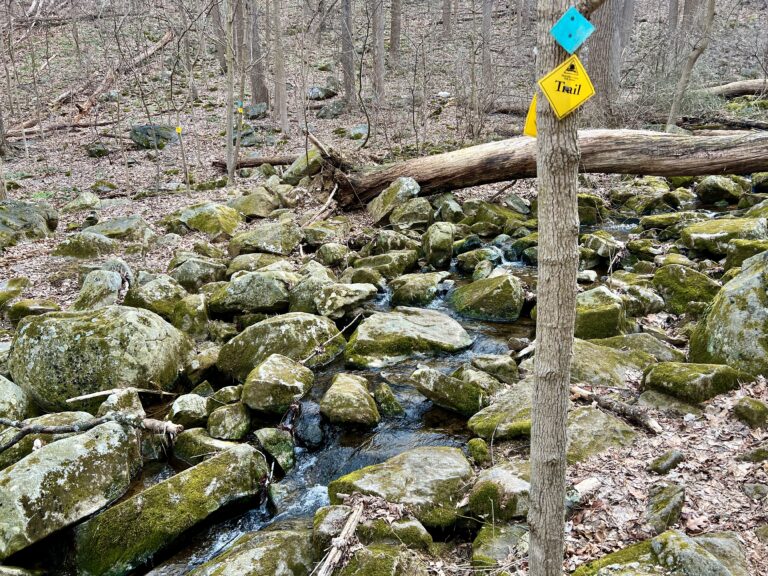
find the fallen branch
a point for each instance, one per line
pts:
(634, 414)
(151, 425)
(720, 122)
(740, 88)
(604, 151)
(323, 208)
(103, 393)
(256, 162)
(341, 543)
(55, 127)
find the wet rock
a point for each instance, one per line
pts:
(64, 482)
(337, 300)
(85, 245)
(151, 136)
(386, 400)
(215, 220)
(416, 289)
(250, 292)
(751, 411)
(259, 203)
(348, 401)
(390, 265)
(296, 335)
(495, 544)
(429, 480)
(129, 534)
(278, 552)
(307, 164)
(713, 236)
(276, 383)
(499, 494)
(692, 382)
(386, 338)
(508, 416)
(130, 228)
(230, 422)
(714, 189)
(20, 221)
(278, 444)
(679, 286)
(394, 195)
(463, 395)
(496, 299)
(104, 349)
(665, 503)
(734, 328)
(280, 238)
(437, 244)
(196, 445)
(667, 462)
(467, 261)
(160, 295)
(309, 428)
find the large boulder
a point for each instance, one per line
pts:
(592, 431)
(680, 285)
(734, 330)
(280, 237)
(259, 203)
(101, 288)
(86, 245)
(416, 289)
(599, 314)
(25, 221)
(713, 236)
(386, 338)
(276, 383)
(337, 300)
(718, 188)
(151, 136)
(693, 382)
(130, 228)
(15, 404)
(508, 416)
(250, 292)
(462, 392)
(160, 295)
(215, 220)
(437, 243)
(296, 335)
(64, 482)
(65, 354)
(429, 480)
(497, 299)
(130, 533)
(273, 552)
(396, 194)
(348, 401)
(307, 164)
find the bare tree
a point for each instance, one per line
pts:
(347, 52)
(605, 59)
(376, 14)
(522, 16)
(674, 14)
(281, 93)
(485, 36)
(394, 33)
(228, 10)
(446, 19)
(259, 90)
(219, 34)
(706, 25)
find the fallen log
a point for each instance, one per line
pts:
(635, 414)
(55, 127)
(604, 151)
(256, 162)
(740, 88)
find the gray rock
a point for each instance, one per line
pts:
(250, 292)
(348, 401)
(230, 422)
(280, 237)
(393, 196)
(276, 383)
(665, 503)
(189, 410)
(20, 221)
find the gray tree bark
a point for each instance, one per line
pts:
(281, 92)
(259, 90)
(674, 14)
(347, 53)
(485, 36)
(229, 51)
(376, 12)
(219, 35)
(446, 19)
(394, 33)
(605, 48)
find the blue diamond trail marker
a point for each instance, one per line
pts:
(572, 30)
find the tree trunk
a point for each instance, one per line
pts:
(628, 24)
(347, 53)
(394, 33)
(376, 11)
(485, 35)
(259, 90)
(557, 183)
(446, 19)
(698, 49)
(740, 88)
(281, 92)
(674, 13)
(602, 151)
(605, 49)
(220, 35)
(229, 38)
(522, 16)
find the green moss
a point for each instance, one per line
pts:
(752, 412)
(692, 382)
(496, 543)
(497, 299)
(478, 451)
(592, 431)
(680, 285)
(641, 553)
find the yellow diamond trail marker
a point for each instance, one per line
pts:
(567, 87)
(530, 119)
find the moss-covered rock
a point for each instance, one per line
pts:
(151, 136)
(278, 443)
(692, 382)
(337, 300)
(20, 221)
(437, 244)
(488, 219)
(394, 195)
(258, 203)
(281, 237)
(196, 271)
(229, 422)
(467, 261)
(665, 503)
(215, 220)
(382, 559)
(160, 295)
(680, 285)
(713, 236)
(307, 164)
(30, 307)
(129, 534)
(478, 451)
(388, 241)
(666, 404)
(296, 335)
(739, 250)
(251, 262)
(15, 403)
(390, 265)
(460, 393)
(497, 299)
(429, 480)
(499, 494)
(645, 343)
(65, 354)
(718, 188)
(495, 544)
(667, 462)
(190, 410)
(683, 555)
(12, 288)
(386, 400)
(278, 552)
(734, 330)
(276, 383)
(407, 531)
(250, 292)
(334, 229)
(599, 314)
(416, 289)
(386, 338)
(413, 214)
(635, 560)
(348, 401)
(508, 416)
(64, 482)
(501, 366)
(751, 411)
(85, 245)
(592, 431)
(591, 210)
(605, 245)
(190, 315)
(100, 288)
(129, 228)
(195, 445)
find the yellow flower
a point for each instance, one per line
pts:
(178, 129)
